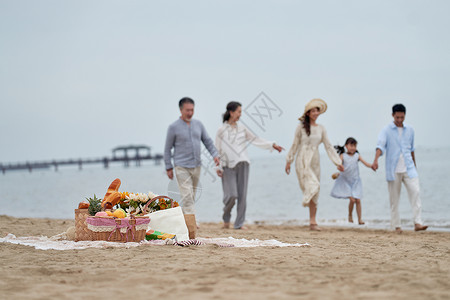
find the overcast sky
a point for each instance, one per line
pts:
(78, 78)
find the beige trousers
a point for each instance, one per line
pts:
(187, 179)
(413, 190)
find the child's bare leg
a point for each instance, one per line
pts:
(359, 211)
(350, 209)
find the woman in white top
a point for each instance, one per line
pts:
(232, 140)
(308, 136)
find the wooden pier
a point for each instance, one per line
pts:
(120, 154)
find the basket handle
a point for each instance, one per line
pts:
(144, 210)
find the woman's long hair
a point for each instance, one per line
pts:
(341, 149)
(231, 106)
(307, 125)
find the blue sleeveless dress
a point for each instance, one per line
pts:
(348, 184)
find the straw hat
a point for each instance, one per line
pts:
(319, 103)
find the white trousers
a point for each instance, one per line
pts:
(413, 189)
(187, 179)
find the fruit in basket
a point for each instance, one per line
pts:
(113, 188)
(119, 213)
(94, 205)
(101, 214)
(109, 213)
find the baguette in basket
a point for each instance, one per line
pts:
(112, 194)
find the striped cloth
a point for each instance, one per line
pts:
(189, 242)
(184, 243)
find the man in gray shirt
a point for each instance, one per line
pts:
(184, 136)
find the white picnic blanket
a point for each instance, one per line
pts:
(56, 243)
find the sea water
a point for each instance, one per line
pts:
(273, 196)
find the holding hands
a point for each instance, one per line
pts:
(375, 165)
(375, 160)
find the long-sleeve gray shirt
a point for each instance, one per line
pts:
(185, 139)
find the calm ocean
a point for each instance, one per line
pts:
(273, 197)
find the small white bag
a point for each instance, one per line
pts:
(170, 220)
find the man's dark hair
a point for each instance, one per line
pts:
(185, 100)
(398, 108)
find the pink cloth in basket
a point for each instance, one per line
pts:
(125, 222)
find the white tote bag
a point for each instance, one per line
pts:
(170, 220)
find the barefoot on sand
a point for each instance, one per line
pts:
(419, 227)
(314, 227)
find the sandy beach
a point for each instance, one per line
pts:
(339, 263)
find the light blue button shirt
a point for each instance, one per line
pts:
(390, 142)
(186, 141)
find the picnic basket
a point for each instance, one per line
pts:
(82, 233)
(112, 229)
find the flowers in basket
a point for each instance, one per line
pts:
(134, 203)
(161, 204)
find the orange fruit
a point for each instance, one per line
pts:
(119, 213)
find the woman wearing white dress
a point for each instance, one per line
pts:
(232, 140)
(308, 136)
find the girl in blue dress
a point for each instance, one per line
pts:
(348, 183)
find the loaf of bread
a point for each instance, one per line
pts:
(83, 205)
(113, 188)
(113, 199)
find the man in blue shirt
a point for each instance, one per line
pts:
(185, 136)
(397, 141)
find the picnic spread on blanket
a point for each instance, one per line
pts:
(123, 219)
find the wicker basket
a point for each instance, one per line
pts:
(82, 233)
(117, 230)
